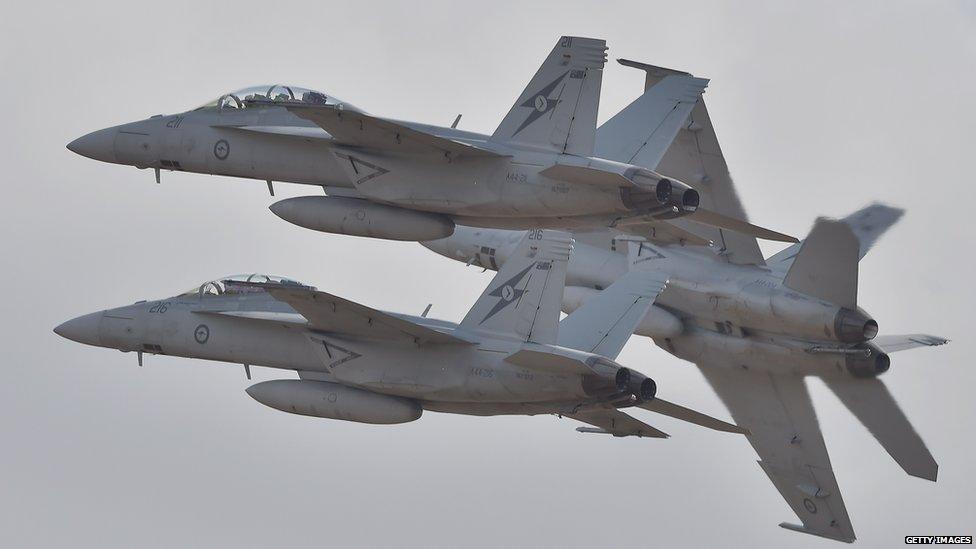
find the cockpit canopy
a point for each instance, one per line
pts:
(240, 284)
(263, 96)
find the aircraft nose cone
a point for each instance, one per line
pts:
(83, 329)
(98, 145)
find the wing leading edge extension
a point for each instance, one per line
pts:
(357, 128)
(329, 313)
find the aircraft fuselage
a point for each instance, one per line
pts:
(722, 312)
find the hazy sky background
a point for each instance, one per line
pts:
(820, 109)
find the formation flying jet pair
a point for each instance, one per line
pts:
(658, 244)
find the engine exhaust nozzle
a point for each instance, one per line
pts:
(852, 326)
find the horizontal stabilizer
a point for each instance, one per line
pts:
(870, 401)
(675, 411)
(661, 232)
(715, 219)
(616, 423)
(642, 132)
(895, 343)
(826, 265)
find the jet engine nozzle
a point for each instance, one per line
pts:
(657, 196)
(623, 379)
(642, 387)
(677, 195)
(608, 378)
(648, 389)
(852, 326)
(871, 362)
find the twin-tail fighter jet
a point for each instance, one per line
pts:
(754, 326)
(509, 355)
(542, 166)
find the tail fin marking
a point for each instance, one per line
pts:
(557, 110)
(524, 298)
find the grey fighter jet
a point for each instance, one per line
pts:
(755, 326)
(509, 355)
(401, 180)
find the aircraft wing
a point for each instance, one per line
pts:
(363, 130)
(875, 407)
(783, 427)
(616, 423)
(663, 232)
(330, 313)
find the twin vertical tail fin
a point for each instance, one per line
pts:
(557, 111)
(524, 299)
(825, 266)
(868, 224)
(643, 131)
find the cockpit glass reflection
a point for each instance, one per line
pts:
(239, 285)
(269, 95)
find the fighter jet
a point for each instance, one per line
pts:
(509, 355)
(401, 180)
(755, 327)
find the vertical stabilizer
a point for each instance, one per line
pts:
(868, 224)
(870, 401)
(557, 111)
(695, 158)
(604, 324)
(642, 132)
(826, 265)
(524, 298)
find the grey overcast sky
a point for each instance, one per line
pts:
(820, 108)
